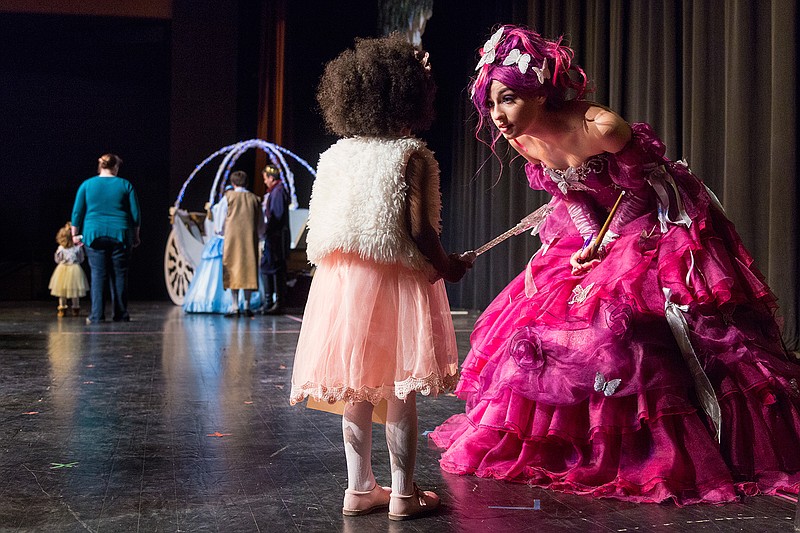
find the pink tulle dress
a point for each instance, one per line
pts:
(579, 383)
(375, 326)
(373, 331)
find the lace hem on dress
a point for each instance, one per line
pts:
(400, 390)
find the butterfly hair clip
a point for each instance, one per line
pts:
(607, 387)
(541, 73)
(489, 52)
(522, 60)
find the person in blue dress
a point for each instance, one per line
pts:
(206, 293)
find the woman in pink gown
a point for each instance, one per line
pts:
(643, 365)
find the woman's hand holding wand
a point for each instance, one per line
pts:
(586, 258)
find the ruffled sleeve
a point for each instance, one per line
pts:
(681, 195)
(643, 153)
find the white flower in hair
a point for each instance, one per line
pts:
(522, 60)
(423, 59)
(489, 49)
(542, 73)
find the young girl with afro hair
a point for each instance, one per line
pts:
(377, 322)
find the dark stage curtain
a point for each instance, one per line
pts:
(270, 81)
(717, 80)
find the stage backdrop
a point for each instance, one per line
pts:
(717, 80)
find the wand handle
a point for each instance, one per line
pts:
(607, 223)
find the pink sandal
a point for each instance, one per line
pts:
(357, 503)
(418, 503)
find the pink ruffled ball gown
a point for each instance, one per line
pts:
(578, 383)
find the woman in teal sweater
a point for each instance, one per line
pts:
(107, 210)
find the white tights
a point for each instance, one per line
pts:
(401, 439)
(76, 302)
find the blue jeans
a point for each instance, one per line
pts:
(108, 262)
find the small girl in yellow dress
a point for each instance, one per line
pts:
(68, 280)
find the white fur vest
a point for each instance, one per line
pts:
(358, 201)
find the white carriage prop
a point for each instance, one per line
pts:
(191, 230)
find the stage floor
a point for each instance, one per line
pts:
(176, 422)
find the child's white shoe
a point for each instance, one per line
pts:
(418, 503)
(357, 503)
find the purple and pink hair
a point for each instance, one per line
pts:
(567, 81)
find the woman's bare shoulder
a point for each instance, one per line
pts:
(609, 131)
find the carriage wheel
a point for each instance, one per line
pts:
(177, 272)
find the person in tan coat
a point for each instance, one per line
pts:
(243, 224)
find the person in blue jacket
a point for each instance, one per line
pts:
(276, 240)
(106, 212)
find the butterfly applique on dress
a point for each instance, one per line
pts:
(607, 387)
(579, 294)
(566, 180)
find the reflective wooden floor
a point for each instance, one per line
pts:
(178, 422)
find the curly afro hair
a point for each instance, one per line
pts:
(379, 88)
